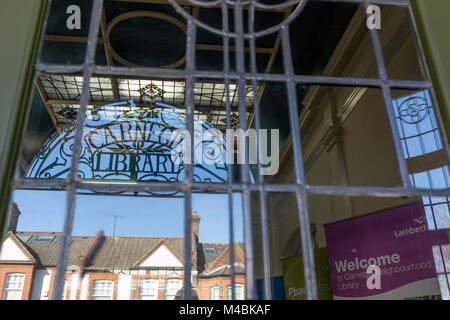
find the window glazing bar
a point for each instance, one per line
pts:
(216, 75)
(229, 151)
(188, 149)
(262, 194)
(305, 232)
(245, 168)
(235, 187)
(76, 153)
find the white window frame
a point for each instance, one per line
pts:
(170, 290)
(215, 293)
(150, 291)
(106, 296)
(8, 289)
(238, 292)
(64, 293)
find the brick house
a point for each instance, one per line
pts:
(115, 268)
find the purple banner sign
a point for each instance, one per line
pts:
(397, 240)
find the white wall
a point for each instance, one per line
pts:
(162, 257)
(41, 284)
(75, 279)
(124, 287)
(84, 288)
(10, 251)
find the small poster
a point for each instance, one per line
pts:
(396, 240)
(294, 277)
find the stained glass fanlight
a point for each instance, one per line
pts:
(126, 142)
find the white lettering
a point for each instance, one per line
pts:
(374, 280)
(374, 20)
(74, 20)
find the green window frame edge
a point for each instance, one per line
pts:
(21, 24)
(432, 22)
(29, 15)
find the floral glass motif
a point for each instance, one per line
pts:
(151, 91)
(234, 121)
(141, 115)
(68, 113)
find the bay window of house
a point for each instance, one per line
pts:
(104, 189)
(102, 290)
(148, 289)
(172, 286)
(215, 293)
(13, 288)
(238, 292)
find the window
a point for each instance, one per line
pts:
(210, 250)
(24, 238)
(13, 286)
(215, 293)
(64, 296)
(419, 136)
(172, 287)
(44, 238)
(238, 292)
(232, 96)
(442, 262)
(102, 290)
(148, 289)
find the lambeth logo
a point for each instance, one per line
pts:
(420, 220)
(412, 230)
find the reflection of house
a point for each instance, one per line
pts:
(105, 268)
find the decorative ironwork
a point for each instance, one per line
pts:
(413, 110)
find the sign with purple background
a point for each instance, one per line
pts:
(397, 240)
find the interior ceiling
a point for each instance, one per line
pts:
(151, 33)
(63, 91)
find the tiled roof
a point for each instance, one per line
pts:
(47, 252)
(124, 252)
(219, 248)
(113, 252)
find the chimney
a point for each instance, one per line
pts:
(13, 218)
(88, 253)
(195, 225)
(195, 241)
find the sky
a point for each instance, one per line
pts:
(139, 216)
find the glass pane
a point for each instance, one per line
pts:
(126, 246)
(399, 47)
(214, 250)
(128, 237)
(129, 39)
(346, 137)
(48, 137)
(67, 32)
(421, 136)
(30, 246)
(332, 39)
